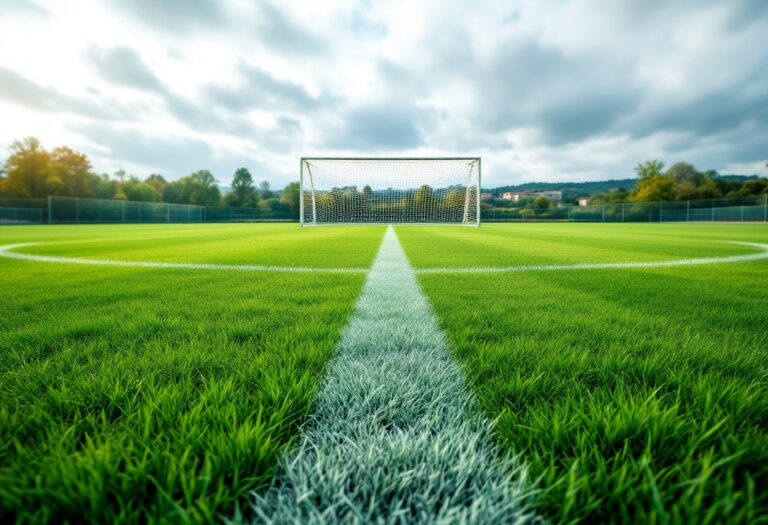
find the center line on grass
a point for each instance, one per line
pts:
(396, 436)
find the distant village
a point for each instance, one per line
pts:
(519, 196)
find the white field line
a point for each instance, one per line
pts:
(601, 266)
(395, 436)
(5, 251)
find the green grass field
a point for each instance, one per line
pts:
(635, 395)
(132, 394)
(167, 395)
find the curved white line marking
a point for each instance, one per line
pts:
(600, 266)
(5, 251)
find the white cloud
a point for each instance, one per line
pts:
(542, 90)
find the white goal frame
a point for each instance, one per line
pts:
(307, 185)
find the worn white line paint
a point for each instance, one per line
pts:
(395, 436)
(5, 252)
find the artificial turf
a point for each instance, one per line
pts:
(161, 395)
(634, 395)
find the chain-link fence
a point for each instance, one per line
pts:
(750, 208)
(73, 210)
(17, 210)
(12, 215)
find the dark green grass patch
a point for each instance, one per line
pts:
(635, 396)
(137, 395)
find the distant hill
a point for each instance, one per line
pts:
(569, 189)
(742, 178)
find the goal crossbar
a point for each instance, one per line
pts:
(376, 190)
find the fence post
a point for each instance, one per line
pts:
(765, 209)
(661, 212)
(603, 212)
(622, 212)
(49, 210)
(713, 210)
(687, 211)
(742, 213)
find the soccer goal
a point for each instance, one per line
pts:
(343, 190)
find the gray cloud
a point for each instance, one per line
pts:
(272, 26)
(377, 128)
(22, 91)
(277, 31)
(569, 98)
(175, 15)
(23, 7)
(123, 66)
(708, 113)
(537, 89)
(259, 89)
(173, 156)
(15, 88)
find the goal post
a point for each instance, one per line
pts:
(400, 190)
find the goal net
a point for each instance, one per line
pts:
(390, 190)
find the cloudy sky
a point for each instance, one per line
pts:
(542, 90)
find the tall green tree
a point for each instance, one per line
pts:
(291, 193)
(542, 202)
(28, 171)
(205, 192)
(72, 169)
(198, 188)
(649, 169)
(243, 191)
(423, 197)
(157, 181)
(135, 190)
(103, 187)
(265, 190)
(685, 172)
(653, 184)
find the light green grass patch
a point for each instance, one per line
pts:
(131, 394)
(251, 244)
(637, 395)
(555, 243)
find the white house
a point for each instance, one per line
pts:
(515, 196)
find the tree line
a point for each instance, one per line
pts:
(681, 182)
(32, 172)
